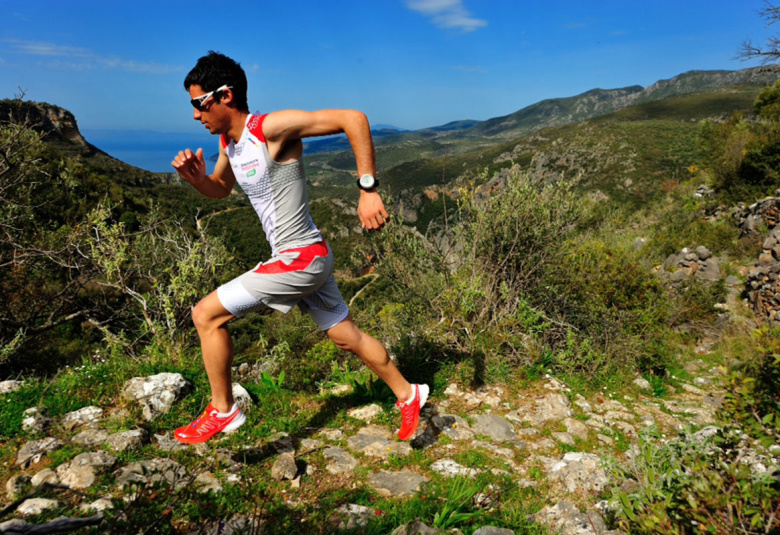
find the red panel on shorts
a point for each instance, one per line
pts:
(305, 258)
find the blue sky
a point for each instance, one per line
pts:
(410, 63)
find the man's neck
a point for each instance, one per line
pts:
(237, 124)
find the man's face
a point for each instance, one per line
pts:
(212, 113)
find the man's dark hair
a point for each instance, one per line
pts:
(215, 70)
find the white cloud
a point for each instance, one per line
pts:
(447, 14)
(82, 59)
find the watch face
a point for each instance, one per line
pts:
(367, 181)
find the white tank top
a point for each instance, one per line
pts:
(277, 191)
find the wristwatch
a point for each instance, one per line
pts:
(367, 182)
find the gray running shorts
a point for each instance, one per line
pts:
(302, 277)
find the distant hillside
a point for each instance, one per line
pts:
(461, 137)
(598, 102)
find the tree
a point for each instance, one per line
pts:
(770, 53)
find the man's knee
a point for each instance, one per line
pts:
(346, 337)
(205, 317)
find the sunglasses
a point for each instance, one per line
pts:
(198, 102)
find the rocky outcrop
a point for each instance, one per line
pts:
(688, 264)
(763, 281)
(57, 125)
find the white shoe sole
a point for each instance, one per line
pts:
(237, 422)
(423, 390)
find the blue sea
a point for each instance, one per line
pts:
(152, 150)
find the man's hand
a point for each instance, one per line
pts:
(371, 210)
(190, 166)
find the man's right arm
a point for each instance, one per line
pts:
(192, 168)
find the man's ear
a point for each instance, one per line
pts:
(227, 96)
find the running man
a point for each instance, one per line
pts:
(263, 153)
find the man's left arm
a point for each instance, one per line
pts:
(282, 127)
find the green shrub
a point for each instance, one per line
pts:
(689, 485)
(753, 391)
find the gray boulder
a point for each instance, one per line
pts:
(156, 393)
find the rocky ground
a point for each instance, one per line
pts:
(543, 436)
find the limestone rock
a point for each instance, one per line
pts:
(6, 387)
(36, 506)
(127, 440)
(90, 438)
(341, 462)
(284, 467)
(99, 505)
(156, 393)
(15, 484)
(554, 406)
(166, 442)
(242, 397)
(47, 475)
(490, 530)
(355, 516)
(152, 471)
(85, 418)
(579, 472)
(450, 468)
(332, 434)
(403, 483)
(34, 420)
(576, 428)
(33, 451)
(416, 528)
(367, 413)
(82, 470)
(377, 441)
(206, 483)
(565, 519)
(495, 427)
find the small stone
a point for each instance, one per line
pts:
(156, 393)
(152, 471)
(494, 426)
(281, 443)
(36, 506)
(341, 462)
(35, 421)
(206, 482)
(355, 516)
(90, 438)
(16, 484)
(605, 439)
(33, 451)
(642, 383)
(166, 442)
(127, 440)
(99, 505)
(85, 418)
(564, 438)
(490, 530)
(367, 413)
(332, 434)
(576, 428)
(450, 468)
(82, 470)
(6, 387)
(242, 397)
(395, 484)
(284, 467)
(47, 475)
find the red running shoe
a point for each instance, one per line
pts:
(209, 424)
(410, 411)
